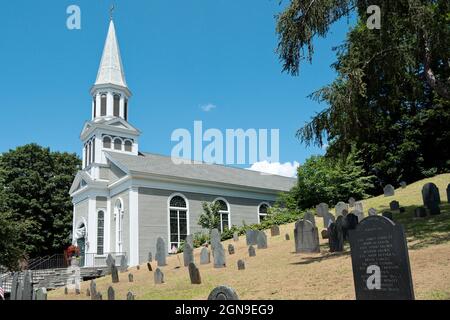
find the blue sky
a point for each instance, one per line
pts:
(178, 56)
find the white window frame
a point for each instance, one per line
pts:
(118, 217)
(262, 214)
(104, 221)
(170, 208)
(221, 212)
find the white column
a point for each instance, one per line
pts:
(109, 104)
(122, 107)
(107, 235)
(134, 227)
(91, 239)
(98, 98)
(73, 223)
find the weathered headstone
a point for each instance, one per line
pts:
(88, 292)
(230, 249)
(223, 293)
(250, 236)
(215, 238)
(150, 257)
(351, 221)
(161, 252)
(251, 251)
(435, 210)
(389, 190)
(205, 256)
(309, 216)
(322, 209)
(358, 214)
(306, 237)
(130, 296)
(93, 289)
(324, 234)
(41, 294)
(123, 264)
(340, 207)
(351, 202)
(99, 296)
(359, 206)
(114, 274)
(159, 276)
(372, 212)
(111, 293)
(110, 261)
(27, 291)
(403, 184)
(235, 236)
(328, 218)
(430, 195)
(261, 240)
(149, 266)
(394, 205)
(130, 277)
(66, 291)
(219, 256)
(274, 231)
(287, 237)
(188, 254)
(194, 274)
(241, 265)
(420, 212)
(388, 215)
(138, 267)
(189, 240)
(380, 261)
(336, 237)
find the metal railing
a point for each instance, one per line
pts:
(57, 261)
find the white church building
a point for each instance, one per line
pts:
(124, 198)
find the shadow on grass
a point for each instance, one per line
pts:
(327, 256)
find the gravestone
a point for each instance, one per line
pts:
(138, 267)
(77, 290)
(448, 193)
(358, 214)
(130, 277)
(359, 206)
(15, 288)
(351, 202)
(93, 289)
(149, 266)
(66, 291)
(344, 212)
(88, 292)
(388, 215)
(403, 184)
(322, 209)
(130, 296)
(287, 237)
(99, 296)
(27, 291)
(380, 261)
(110, 261)
(230, 249)
(194, 274)
(223, 293)
(219, 256)
(215, 239)
(435, 210)
(123, 264)
(350, 223)
(274, 231)
(261, 240)
(189, 240)
(420, 212)
(336, 237)
(328, 218)
(159, 276)
(41, 294)
(394, 205)
(340, 207)
(161, 252)
(111, 293)
(309, 216)
(235, 236)
(324, 234)
(306, 237)
(430, 195)
(114, 274)
(372, 212)
(188, 254)
(250, 236)
(205, 256)
(241, 265)
(251, 251)
(389, 191)
(150, 257)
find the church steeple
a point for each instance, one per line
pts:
(110, 91)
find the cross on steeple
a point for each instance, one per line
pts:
(111, 11)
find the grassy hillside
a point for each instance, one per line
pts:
(279, 273)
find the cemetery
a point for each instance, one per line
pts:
(294, 261)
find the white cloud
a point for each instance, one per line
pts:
(208, 107)
(287, 169)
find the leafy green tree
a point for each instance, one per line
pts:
(391, 96)
(210, 218)
(12, 249)
(35, 183)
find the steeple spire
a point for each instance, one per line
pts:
(111, 69)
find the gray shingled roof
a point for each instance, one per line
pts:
(163, 165)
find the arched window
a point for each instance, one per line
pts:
(103, 100)
(125, 111)
(95, 107)
(93, 150)
(100, 231)
(263, 210)
(178, 215)
(107, 142)
(118, 216)
(224, 211)
(116, 105)
(128, 146)
(117, 144)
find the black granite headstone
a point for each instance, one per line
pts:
(351, 221)
(420, 212)
(448, 193)
(380, 261)
(430, 195)
(388, 215)
(335, 238)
